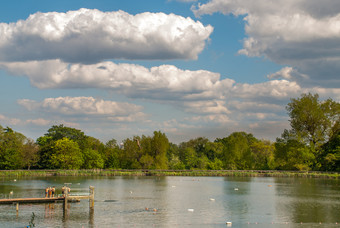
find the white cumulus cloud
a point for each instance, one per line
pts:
(9, 121)
(164, 82)
(81, 106)
(304, 34)
(90, 35)
(196, 92)
(39, 122)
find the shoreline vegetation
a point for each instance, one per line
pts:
(312, 144)
(209, 173)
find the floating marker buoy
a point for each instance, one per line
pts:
(154, 209)
(191, 210)
(211, 199)
(146, 209)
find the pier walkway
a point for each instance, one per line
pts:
(65, 199)
(31, 200)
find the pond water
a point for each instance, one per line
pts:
(178, 202)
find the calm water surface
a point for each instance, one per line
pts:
(178, 202)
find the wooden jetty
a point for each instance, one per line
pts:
(32, 200)
(65, 199)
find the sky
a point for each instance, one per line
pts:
(204, 68)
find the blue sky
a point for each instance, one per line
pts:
(115, 69)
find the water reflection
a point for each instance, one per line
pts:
(178, 201)
(309, 200)
(49, 210)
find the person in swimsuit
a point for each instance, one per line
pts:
(53, 191)
(46, 192)
(49, 192)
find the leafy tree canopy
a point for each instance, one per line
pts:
(312, 120)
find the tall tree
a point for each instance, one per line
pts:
(237, 152)
(160, 146)
(66, 154)
(292, 154)
(45, 152)
(174, 161)
(330, 155)
(92, 159)
(189, 157)
(11, 145)
(131, 153)
(30, 154)
(263, 154)
(112, 152)
(312, 120)
(61, 131)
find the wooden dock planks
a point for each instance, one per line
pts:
(31, 200)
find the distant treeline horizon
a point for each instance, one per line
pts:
(312, 143)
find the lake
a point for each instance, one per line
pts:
(178, 202)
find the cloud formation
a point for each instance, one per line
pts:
(81, 106)
(199, 92)
(304, 34)
(90, 35)
(164, 83)
(9, 120)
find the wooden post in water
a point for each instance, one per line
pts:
(65, 202)
(91, 206)
(17, 208)
(91, 198)
(66, 199)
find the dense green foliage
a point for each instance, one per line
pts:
(312, 143)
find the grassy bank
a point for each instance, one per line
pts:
(220, 173)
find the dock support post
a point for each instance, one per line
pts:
(65, 204)
(17, 208)
(91, 198)
(66, 199)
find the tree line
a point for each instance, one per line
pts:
(312, 143)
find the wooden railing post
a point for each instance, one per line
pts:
(91, 198)
(65, 201)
